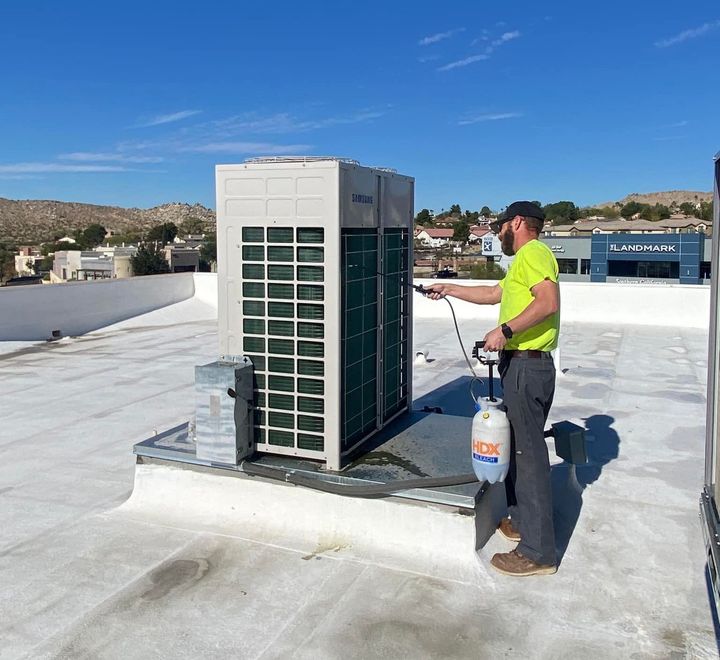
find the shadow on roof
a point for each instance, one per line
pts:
(569, 481)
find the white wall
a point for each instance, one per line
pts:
(31, 313)
(206, 288)
(680, 305)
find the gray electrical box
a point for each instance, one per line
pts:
(223, 404)
(570, 442)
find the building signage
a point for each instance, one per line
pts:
(637, 280)
(557, 248)
(641, 247)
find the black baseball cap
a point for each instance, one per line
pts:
(524, 208)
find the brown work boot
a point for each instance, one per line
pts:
(508, 531)
(513, 563)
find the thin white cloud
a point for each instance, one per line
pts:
(434, 38)
(506, 36)
(489, 117)
(239, 134)
(489, 50)
(168, 119)
(43, 168)
(678, 124)
(92, 157)
(688, 34)
(284, 123)
(468, 60)
(248, 148)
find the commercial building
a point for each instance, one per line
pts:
(651, 258)
(25, 259)
(182, 259)
(657, 257)
(92, 265)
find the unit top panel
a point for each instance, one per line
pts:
(287, 163)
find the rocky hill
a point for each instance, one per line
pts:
(668, 198)
(34, 221)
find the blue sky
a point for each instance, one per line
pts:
(134, 103)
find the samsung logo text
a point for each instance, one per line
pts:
(362, 199)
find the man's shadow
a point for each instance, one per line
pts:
(569, 481)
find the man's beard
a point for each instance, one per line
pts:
(506, 242)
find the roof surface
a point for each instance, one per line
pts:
(78, 579)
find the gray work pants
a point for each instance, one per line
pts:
(528, 389)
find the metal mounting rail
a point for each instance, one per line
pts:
(299, 159)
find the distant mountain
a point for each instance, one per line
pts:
(668, 198)
(34, 221)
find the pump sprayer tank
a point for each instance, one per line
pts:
(490, 430)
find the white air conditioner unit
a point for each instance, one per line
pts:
(314, 273)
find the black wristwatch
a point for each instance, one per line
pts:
(506, 330)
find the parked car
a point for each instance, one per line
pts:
(444, 273)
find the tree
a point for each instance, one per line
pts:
(128, 238)
(487, 271)
(208, 253)
(52, 248)
(705, 212)
(149, 260)
(472, 216)
(655, 213)
(164, 233)
(93, 235)
(609, 212)
(485, 212)
(588, 211)
(424, 218)
(561, 213)
(455, 208)
(630, 209)
(7, 261)
(192, 225)
(43, 265)
(686, 208)
(461, 231)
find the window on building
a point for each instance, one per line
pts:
(585, 266)
(705, 270)
(644, 269)
(568, 266)
(662, 269)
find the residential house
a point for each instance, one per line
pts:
(435, 237)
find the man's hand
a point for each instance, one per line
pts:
(438, 291)
(495, 340)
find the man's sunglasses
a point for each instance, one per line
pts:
(497, 225)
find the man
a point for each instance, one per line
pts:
(528, 328)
